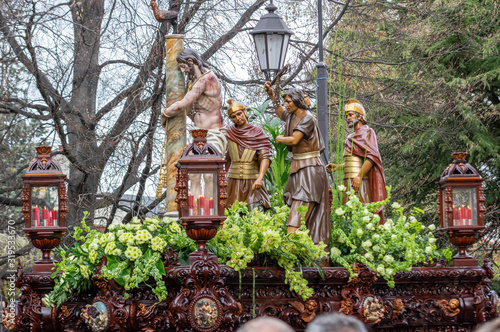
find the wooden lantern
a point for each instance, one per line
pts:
(201, 191)
(461, 206)
(44, 206)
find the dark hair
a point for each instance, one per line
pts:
(297, 96)
(361, 118)
(188, 54)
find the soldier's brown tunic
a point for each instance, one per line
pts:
(308, 180)
(246, 140)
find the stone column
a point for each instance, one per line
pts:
(176, 125)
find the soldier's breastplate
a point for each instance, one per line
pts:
(244, 168)
(352, 166)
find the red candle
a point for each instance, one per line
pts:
(211, 205)
(45, 216)
(53, 217)
(206, 208)
(469, 214)
(459, 214)
(199, 207)
(36, 216)
(191, 204)
(464, 216)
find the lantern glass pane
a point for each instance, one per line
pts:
(44, 206)
(274, 43)
(203, 199)
(260, 46)
(285, 47)
(464, 206)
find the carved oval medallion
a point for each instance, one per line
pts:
(96, 316)
(205, 314)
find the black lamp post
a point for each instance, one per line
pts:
(271, 37)
(322, 89)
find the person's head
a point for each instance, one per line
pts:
(265, 324)
(295, 99)
(492, 326)
(237, 113)
(335, 322)
(354, 113)
(189, 58)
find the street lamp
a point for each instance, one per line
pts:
(271, 37)
(461, 206)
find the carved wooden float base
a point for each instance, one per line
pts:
(209, 297)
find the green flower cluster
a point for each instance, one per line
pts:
(396, 246)
(133, 253)
(247, 233)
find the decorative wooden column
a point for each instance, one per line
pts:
(175, 140)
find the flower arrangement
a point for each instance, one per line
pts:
(133, 253)
(396, 246)
(247, 233)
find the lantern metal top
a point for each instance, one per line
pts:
(459, 168)
(271, 23)
(44, 164)
(200, 148)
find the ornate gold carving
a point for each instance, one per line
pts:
(397, 307)
(373, 310)
(307, 310)
(450, 308)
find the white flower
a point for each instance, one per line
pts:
(396, 205)
(387, 226)
(369, 256)
(370, 227)
(394, 237)
(152, 228)
(135, 220)
(350, 204)
(158, 244)
(335, 251)
(389, 272)
(175, 228)
(428, 249)
(133, 253)
(109, 248)
(432, 227)
(342, 188)
(366, 219)
(388, 259)
(412, 219)
(432, 240)
(359, 233)
(339, 211)
(376, 236)
(376, 248)
(367, 244)
(380, 269)
(94, 245)
(143, 236)
(111, 227)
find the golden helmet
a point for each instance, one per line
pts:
(235, 106)
(355, 106)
